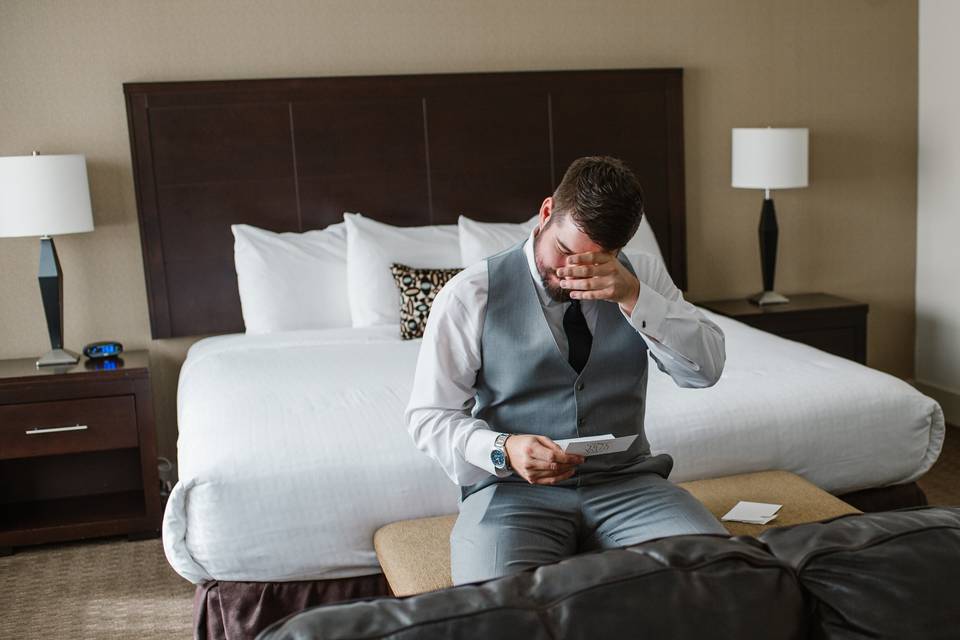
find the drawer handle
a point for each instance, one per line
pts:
(38, 431)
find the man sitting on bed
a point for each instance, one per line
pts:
(549, 340)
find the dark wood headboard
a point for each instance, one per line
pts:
(294, 154)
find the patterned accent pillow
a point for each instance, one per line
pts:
(418, 288)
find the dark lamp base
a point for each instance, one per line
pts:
(768, 297)
(57, 357)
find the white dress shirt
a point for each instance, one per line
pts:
(681, 340)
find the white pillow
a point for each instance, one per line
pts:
(373, 246)
(291, 281)
(480, 240)
(643, 241)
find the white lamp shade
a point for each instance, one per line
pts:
(769, 158)
(44, 195)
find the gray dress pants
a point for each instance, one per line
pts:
(509, 526)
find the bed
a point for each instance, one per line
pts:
(291, 447)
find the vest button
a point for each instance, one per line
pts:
(581, 422)
(580, 387)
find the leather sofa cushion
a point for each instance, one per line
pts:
(893, 574)
(690, 586)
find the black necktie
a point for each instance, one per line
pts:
(579, 338)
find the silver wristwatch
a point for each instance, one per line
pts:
(499, 454)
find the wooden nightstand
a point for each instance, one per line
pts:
(833, 324)
(77, 452)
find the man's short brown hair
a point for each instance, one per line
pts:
(604, 198)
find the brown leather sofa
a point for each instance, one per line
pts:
(893, 574)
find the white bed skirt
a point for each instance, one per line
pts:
(293, 451)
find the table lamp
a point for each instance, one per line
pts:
(46, 196)
(769, 159)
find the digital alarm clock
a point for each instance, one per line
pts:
(106, 349)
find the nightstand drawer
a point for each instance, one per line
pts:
(845, 342)
(67, 426)
(829, 323)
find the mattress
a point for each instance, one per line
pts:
(292, 448)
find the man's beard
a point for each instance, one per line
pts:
(554, 291)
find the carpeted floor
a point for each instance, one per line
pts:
(109, 588)
(942, 482)
(114, 588)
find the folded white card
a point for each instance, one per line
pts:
(596, 445)
(752, 512)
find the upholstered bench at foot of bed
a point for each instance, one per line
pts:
(415, 554)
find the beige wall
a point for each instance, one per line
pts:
(847, 70)
(938, 207)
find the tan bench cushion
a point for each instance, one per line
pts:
(415, 554)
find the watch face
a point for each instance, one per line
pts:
(498, 458)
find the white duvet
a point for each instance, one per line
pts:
(293, 451)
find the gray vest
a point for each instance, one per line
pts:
(525, 385)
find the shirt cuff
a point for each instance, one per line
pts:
(648, 318)
(649, 312)
(479, 446)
